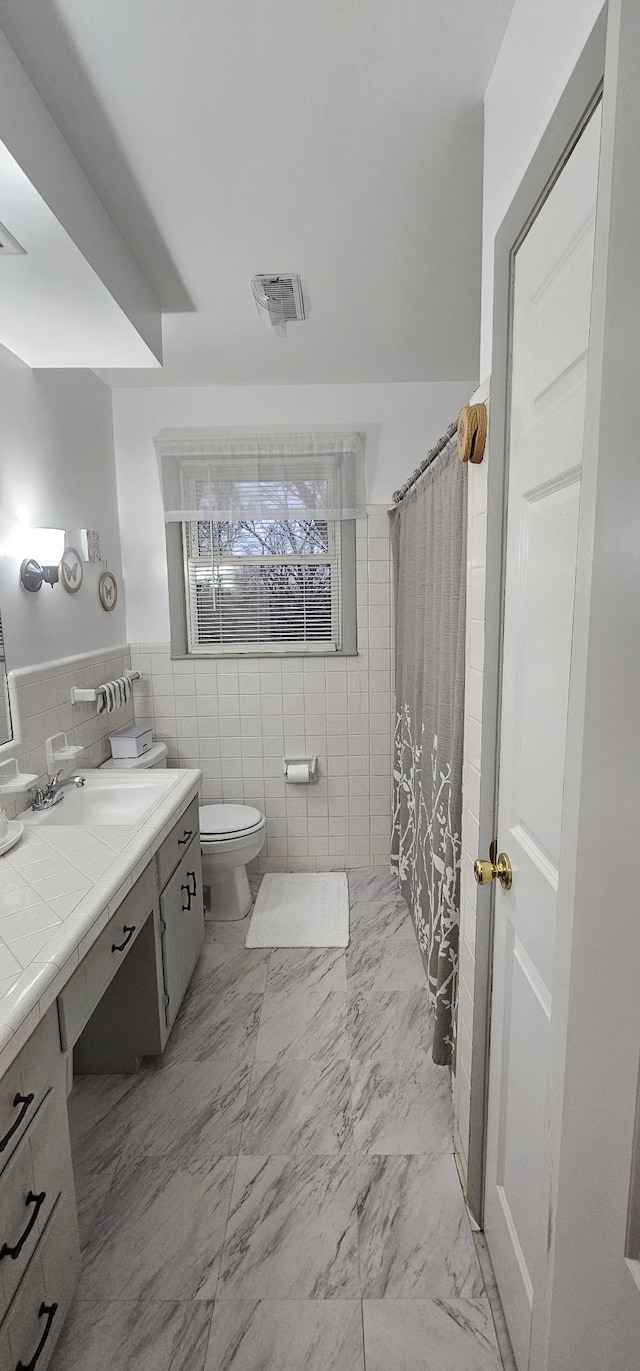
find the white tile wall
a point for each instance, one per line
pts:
(236, 718)
(41, 706)
(476, 562)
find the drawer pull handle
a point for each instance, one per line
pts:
(128, 930)
(14, 1252)
(48, 1312)
(186, 837)
(22, 1102)
(190, 892)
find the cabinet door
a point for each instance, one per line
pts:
(182, 924)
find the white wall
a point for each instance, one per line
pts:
(56, 470)
(236, 719)
(541, 46)
(401, 421)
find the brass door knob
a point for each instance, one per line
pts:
(487, 871)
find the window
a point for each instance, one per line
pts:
(261, 540)
(263, 585)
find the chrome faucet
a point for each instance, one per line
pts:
(44, 797)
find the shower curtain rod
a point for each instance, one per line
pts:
(399, 495)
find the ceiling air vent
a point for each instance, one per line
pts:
(9, 247)
(281, 297)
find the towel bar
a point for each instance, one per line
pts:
(79, 696)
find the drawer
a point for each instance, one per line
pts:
(175, 846)
(25, 1084)
(38, 1172)
(35, 1317)
(83, 992)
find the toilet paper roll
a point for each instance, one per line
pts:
(298, 773)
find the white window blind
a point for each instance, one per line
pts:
(263, 586)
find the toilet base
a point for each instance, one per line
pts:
(229, 895)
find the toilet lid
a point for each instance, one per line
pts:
(218, 821)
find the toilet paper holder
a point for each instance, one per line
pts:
(309, 762)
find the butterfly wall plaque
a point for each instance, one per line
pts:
(108, 590)
(70, 569)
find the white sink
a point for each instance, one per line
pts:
(105, 800)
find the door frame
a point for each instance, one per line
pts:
(575, 107)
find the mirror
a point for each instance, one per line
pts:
(6, 731)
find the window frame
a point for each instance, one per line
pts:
(179, 609)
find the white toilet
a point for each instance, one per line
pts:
(230, 836)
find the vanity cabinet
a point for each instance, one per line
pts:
(86, 988)
(120, 1004)
(39, 1246)
(181, 908)
(117, 1007)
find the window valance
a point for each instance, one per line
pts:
(219, 475)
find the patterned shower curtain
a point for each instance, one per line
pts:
(428, 539)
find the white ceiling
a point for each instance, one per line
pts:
(341, 139)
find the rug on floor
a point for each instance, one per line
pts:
(301, 909)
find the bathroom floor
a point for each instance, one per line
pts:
(279, 1191)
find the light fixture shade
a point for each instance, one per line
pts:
(45, 545)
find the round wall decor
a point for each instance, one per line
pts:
(108, 590)
(70, 569)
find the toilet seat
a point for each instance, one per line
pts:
(220, 823)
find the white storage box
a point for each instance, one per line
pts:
(130, 742)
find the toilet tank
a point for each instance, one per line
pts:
(156, 757)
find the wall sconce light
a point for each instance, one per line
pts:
(47, 546)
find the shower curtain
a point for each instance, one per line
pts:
(428, 539)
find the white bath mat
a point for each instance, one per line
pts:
(298, 909)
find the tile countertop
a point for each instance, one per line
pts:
(59, 886)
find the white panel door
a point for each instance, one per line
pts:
(551, 311)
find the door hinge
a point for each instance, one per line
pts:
(163, 926)
(166, 1000)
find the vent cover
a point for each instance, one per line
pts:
(9, 247)
(281, 297)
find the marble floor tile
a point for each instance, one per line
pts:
(414, 1237)
(209, 1027)
(223, 939)
(188, 1111)
(296, 1107)
(365, 883)
(243, 972)
(286, 1335)
(149, 1335)
(160, 1237)
(307, 968)
(401, 1106)
(291, 1232)
(390, 1023)
(391, 963)
(92, 1189)
(95, 1142)
(381, 919)
(434, 1335)
(307, 1024)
